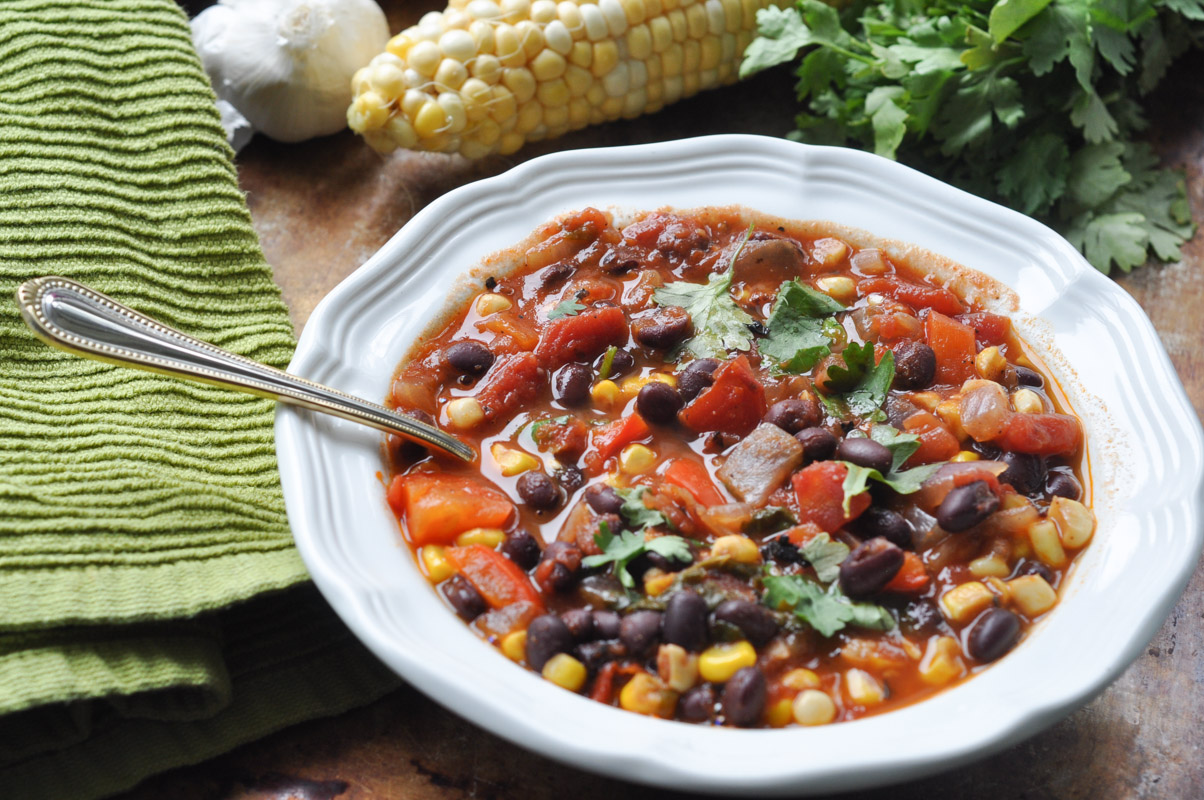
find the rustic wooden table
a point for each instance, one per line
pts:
(323, 207)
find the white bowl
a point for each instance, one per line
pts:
(1145, 446)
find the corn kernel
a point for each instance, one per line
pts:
(1043, 535)
(828, 253)
(737, 548)
(647, 694)
(840, 288)
(490, 537)
(950, 413)
(368, 111)
(926, 400)
(435, 564)
(989, 566)
(631, 386)
(1032, 595)
(799, 679)
(813, 707)
(781, 713)
(605, 393)
(565, 671)
(464, 412)
(490, 303)
(657, 582)
(962, 603)
(676, 667)
(966, 455)
(1026, 401)
(990, 363)
(863, 688)
(514, 645)
(942, 662)
(1075, 521)
(720, 662)
(636, 459)
(512, 462)
(999, 587)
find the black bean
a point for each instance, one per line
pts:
(521, 548)
(915, 365)
(781, 550)
(606, 623)
(596, 653)
(744, 697)
(754, 620)
(865, 452)
(1062, 484)
(554, 273)
(538, 490)
(464, 597)
(661, 329)
(878, 521)
(1028, 377)
(603, 499)
(966, 506)
(472, 358)
(697, 375)
(685, 620)
(408, 449)
(818, 444)
(794, 414)
(569, 477)
(580, 622)
(571, 384)
(870, 566)
(618, 261)
(557, 571)
(988, 451)
(640, 631)
(621, 363)
(995, 633)
(1037, 568)
(1026, 472)
(697, 704)
(546, 636)
(658, 403)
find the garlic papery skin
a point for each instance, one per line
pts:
(286, 65)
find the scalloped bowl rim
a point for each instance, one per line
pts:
(1148, 498)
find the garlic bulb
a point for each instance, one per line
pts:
(286, 65)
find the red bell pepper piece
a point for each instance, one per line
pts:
(1041, 434)
(499, 580)
(438, 508)
(692, 476)
(916, 295)
(612, 437)
(734, 403)
(953, 344)
(581, 337)
(820, 492)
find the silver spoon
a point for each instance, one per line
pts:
(72, 317)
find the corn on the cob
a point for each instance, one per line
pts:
(487, 76)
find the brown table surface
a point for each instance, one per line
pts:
(323, 207)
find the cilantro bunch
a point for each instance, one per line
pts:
(1033, 103)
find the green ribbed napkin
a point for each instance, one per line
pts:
(153, 611)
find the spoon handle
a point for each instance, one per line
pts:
(72, 317)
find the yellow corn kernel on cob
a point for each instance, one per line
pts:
(488, 76)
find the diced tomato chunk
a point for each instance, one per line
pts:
(565, 440)
(581, 337)
(514, 381)
(734, 403)
(936, 442)
(988, 328)
(609, 439)
(692, 476)
(1041, 434)
(820, 492)
(911, 578)
(953, 344)
(916, 295)
(499, 580)
(438, 508)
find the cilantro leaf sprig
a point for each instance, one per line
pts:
(859, 387)
(901, 446)
(566, 308)
(828, 611)
(621, 550)
(797, 337)
(1033, 103)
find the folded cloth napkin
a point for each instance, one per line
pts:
(153, 611)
